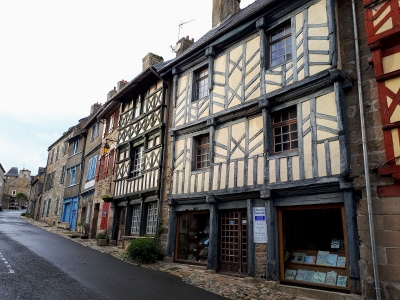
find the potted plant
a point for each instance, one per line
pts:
(101, 239)
(107, 198)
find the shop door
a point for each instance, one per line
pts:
(121, 228)
(233, 242)
(94, 219)
(74, 213)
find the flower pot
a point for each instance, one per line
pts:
(101, 242)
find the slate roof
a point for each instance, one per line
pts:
(12, 172)
(225, 26)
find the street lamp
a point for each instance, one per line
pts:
(106, 148)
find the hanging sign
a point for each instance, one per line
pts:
(259, 225)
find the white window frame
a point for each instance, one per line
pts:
(152, 214)
(136, 216)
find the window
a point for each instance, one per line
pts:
(111, 126)
(72, 176)
(95, 131)
(91, 168)
(75, 147)
(136, 219)
(151, 227)
(58, 150)
(201, 84)
(137, 161)
(137, 108)
(280, 46)
(52, 156)
(56, 208)
(202, 156)
(284, 127)
(62, 174)
(48, 207)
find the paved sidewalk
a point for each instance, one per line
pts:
(227, 286)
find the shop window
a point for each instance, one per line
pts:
(201, 84)
(136, 220)
(193, 237)
(280, 45)
(152, 212)
(312, 242)
(137, 164)
(202, 155)
(284, 128)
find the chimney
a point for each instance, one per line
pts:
(222, 9)
(121, 84)
(151, 59)
(183, 44)
(95, 107)
(111, 93)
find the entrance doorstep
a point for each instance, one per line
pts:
(311, 293)
(63, 225)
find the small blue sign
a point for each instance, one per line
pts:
(259, 218)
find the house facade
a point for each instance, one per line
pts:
(74, 171)
(2, 181)
(259, 147)
(49, 203)
(35, 194)
(16, 182)
(140, 143)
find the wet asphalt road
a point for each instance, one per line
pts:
(36, 264)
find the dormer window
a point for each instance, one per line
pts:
(201, 83)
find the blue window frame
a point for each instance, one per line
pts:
(91, 170)
(73, 176)
(75, 147)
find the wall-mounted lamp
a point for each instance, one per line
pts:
(106, 148)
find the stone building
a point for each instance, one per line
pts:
(50, 202)
(89, 204)
(74, 171)
(15, 183)
(2, 182)
(35, 194)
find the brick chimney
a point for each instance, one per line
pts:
(111, 93)
(222, 9)
(183, 44)
(121, 84)
(151, 59)
(95, 107)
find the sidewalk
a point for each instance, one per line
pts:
(226, 286)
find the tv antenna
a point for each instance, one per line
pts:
(181, 27)
(176, 48)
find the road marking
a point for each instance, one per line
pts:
(8, 266)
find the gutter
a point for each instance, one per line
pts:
(365, 155)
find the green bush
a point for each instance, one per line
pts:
(144, 251)
(101, 236)
(23, 214)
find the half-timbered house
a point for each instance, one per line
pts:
(141, 133)
(259, 152)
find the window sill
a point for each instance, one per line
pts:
(197, 171)
(205, 98)
(288, 153)
(278, 65)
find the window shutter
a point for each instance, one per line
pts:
(112, 119)
(93, 169)
(98, 169)
(89, 169)
(106, 161)
(115, 160)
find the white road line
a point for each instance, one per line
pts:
(7, 264)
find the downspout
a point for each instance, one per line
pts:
(365, 155)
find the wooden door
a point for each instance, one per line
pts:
(233, 242)
(121, 226)
(94, 220)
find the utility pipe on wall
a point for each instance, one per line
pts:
(365, 154)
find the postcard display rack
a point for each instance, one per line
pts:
(193, 237)
(312, 248)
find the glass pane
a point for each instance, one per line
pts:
(295, 145)
(285, 129)
(285, 138)
(293, 136)
(286, 146)
(278, 139)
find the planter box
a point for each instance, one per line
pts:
(101, 242)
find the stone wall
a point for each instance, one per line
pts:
(386, 210)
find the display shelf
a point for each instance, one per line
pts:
(339, 288)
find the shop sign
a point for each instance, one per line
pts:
(259, 225)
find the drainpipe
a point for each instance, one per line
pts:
(365, 155)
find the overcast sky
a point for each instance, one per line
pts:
(57, 58)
